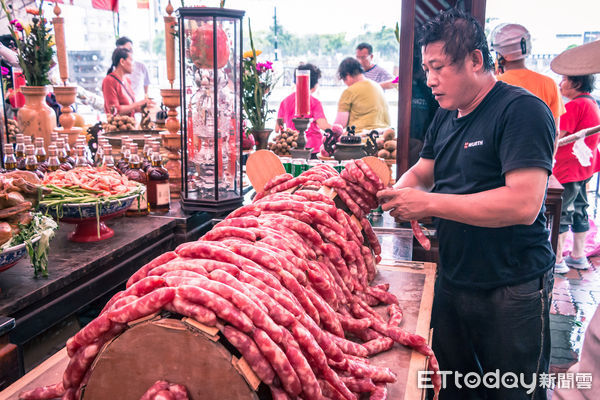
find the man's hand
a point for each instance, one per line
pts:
(404, 203)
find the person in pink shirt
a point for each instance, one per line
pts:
(287, 111)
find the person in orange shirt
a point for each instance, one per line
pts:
(512, 43)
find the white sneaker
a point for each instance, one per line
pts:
(577, 263)
(561, 268)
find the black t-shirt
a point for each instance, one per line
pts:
(509, 129)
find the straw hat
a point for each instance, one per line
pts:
(580, 60)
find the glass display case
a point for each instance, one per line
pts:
(211, 108)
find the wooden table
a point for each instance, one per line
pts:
(412, 282)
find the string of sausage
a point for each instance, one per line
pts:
(284, 279)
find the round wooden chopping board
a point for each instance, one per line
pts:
(165, 349)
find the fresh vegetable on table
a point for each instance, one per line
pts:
(39, 227)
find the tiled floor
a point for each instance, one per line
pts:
(576, 296)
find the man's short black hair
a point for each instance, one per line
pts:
(315, 73)
(460, 33)
(349, 66)
(365, 45)
(582, 83)
(122, 41)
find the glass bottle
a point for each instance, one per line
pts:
(108, 160)
(53, 160)
(62, 155)
(20, 146)
(30, 160)
(27, 139)
(123, 163)
(139, 207)
(10, 161)
(68, 149)
(80, 160)
(158, 183)
(40, 151)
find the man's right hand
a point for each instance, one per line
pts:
(404, 203)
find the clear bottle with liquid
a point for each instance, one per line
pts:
(30, 160)
(108, 160)
(53, 160)
(80, 159)
(10, 161)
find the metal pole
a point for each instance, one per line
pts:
(275, 32)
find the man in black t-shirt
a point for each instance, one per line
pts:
(482, 175)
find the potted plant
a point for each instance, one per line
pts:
(34, 50)
(257, 83)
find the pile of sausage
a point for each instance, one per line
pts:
(286, 280)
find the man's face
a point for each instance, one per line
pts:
(364, 58)
(449, 82)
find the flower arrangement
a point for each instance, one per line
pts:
(34, 44)
(257, 83)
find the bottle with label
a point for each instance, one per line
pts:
(53, 161)
(10, 161)
(139, 207)
(159, 195)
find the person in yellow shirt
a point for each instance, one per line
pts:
(362, 104)
(512, 44)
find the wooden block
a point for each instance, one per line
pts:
(143, 319)
(210, 331)
(242, 366)
(261, 167)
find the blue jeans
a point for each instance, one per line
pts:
(482, 331)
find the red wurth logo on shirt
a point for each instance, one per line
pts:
(473, 144)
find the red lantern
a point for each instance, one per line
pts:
(201, 48)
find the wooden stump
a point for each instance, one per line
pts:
(170, 350)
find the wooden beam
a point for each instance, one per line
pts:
(477, 10)
(407, 35)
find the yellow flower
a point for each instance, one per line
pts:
(249, 54)
(27, 29)
(50, 40)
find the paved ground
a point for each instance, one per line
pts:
(575, 298)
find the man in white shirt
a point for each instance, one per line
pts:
(139, 77)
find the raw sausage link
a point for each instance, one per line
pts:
(251, 353)
(240, 222)
(221, 307)
(143, 272)
(150, 303)
(348, 346)
(279, 179)
(310, 387)
(218, 233)
(378, 345)
(44, 392)
(364, 385)
(380, 393)
(280, 363)
(421, 238)
(154, 389)
(370, 174)
(195, 311)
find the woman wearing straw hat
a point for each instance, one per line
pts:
(575, 162)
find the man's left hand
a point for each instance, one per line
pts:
(404, 203)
